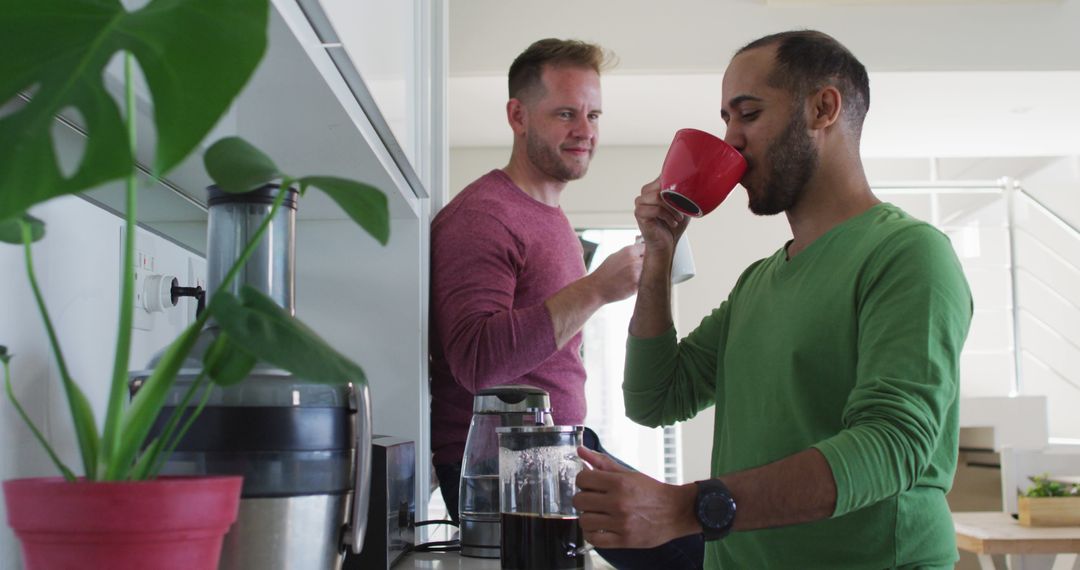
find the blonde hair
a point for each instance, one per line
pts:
(525, 72)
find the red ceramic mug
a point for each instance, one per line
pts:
(699, 171)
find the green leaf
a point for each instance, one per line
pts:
(196, 55)
(363, 203)
(4, 359)
(265, 330)
(147, 403)
(147, 458)
(237, 166)
(82, 416)
(226, 363)
(11, 229)
(1045, 487)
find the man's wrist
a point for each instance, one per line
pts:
(659, 244)
(593, 292)
(583, 297)
(664, 252)
(687, 522)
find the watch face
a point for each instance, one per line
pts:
(718, 510)
(715, 509)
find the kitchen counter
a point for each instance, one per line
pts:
(454, 561)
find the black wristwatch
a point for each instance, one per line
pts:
(715, 509)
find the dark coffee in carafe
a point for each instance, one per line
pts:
(533, 542)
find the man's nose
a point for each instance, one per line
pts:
(583, 128)
(734, 137)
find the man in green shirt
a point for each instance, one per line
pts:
(833, 363)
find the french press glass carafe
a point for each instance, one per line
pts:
(538, 468)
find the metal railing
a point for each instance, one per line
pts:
(1015, 192)
(1012, 192)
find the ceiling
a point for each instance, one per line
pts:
(948, 79)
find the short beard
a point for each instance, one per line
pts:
(548, 161)
(793, 160)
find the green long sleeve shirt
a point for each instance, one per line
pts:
(851, 347)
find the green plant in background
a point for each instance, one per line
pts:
(196, 56)
(1043, 486)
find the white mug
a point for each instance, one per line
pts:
(682, 263)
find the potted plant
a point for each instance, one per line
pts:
(196, 56)
(1050, 503)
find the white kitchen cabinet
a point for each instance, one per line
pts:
(369, 301)
(313, 108)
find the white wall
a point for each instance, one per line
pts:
(77, 265)
(368, 304)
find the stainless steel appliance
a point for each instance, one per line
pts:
(391, 528)
(499, 406)
(304, 449)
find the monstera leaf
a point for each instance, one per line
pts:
(364, 204)
(261, 328)
(12, 228)
(196, 55)
(237, 166)
(225, 363)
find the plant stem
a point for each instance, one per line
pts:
(118, 387)
(33, 428)
(166, 435)
(171, 445)
(148, 402)
(82, 414)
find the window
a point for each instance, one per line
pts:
(654, 452)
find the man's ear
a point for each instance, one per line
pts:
(826, 107)
(516, 115)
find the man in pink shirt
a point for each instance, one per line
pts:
(509, 292)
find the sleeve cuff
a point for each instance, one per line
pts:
(835, 449)
(645, 343)
(641, 353)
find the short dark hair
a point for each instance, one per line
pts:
(527, 68)
(807, 60)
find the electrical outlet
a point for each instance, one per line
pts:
(158, 266)
(145, 266)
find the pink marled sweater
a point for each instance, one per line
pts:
(496, 256)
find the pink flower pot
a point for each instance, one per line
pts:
(167, 523)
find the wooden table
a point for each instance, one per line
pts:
(993, 535)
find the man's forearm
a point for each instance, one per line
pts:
(571, 306)
(615, 279)
(622, 509)
(652, 312)
(796, 489)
